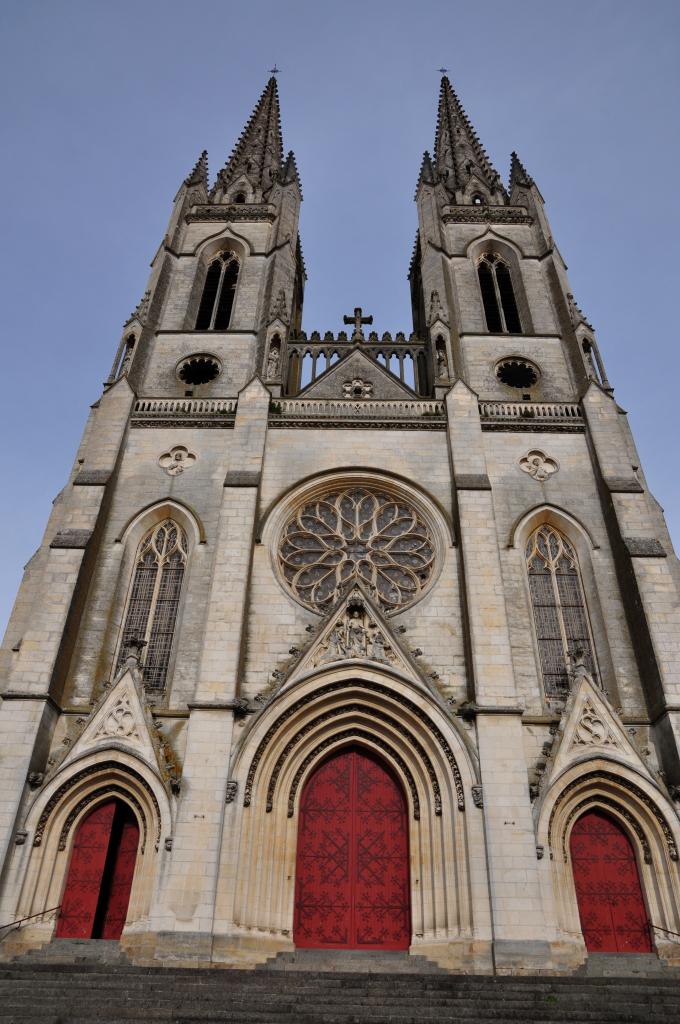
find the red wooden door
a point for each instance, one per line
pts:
(610, 902)
(85, 874)
(352, 877)
(99, 879)
(121, 871)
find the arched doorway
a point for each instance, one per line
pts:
(610, 901)
(99, 880)
(352, 875)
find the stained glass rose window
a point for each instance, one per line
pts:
(357, 534)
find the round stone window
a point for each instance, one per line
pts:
(198, 369)
(517, 373)
(357, 534)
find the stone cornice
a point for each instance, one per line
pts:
(234, 211)
(486, 215)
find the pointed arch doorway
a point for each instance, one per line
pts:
(610, 901)
(99, 880)
(352, 886)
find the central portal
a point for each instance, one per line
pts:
(352, 877)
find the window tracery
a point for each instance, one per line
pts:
(153, 602)
(357, 534)
(560, 614)
(498, 296)
(219, 289)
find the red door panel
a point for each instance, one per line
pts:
(85, 873)
(122, 867)
(352, 881)
(610, 901)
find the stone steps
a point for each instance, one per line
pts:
(50, 992)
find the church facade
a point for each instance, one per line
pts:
(349, 640)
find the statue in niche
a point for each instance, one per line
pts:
(273, 362)
(442, 364)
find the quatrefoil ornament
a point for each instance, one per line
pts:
(176, 460)
(539, 465)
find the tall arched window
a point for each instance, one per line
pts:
(560, 615)
(498, 296)
(152, 607)
(217, 301)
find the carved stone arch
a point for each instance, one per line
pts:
(225, 241)
(52, 822)
(167, 508)
(586, 547)
(129, 539)
(644, 815)
(275, 513)
(513, 257)
(421, 745)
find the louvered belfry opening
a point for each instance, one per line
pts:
(154, 600)
(498, 296)
(560, 615)
(219, 289)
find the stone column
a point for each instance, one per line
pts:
(185, 911)
(518, 925)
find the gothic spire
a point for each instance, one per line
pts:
(518, 173)
(199, 173)
(426, 175)
(258, 154)
(458, 153)
(290, 172)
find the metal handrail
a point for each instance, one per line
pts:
(666, 931)
(30, 917)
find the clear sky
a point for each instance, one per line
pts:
(106, 106)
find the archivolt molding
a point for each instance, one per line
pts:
(318, 715)
(597, 778)
(560, 518)
(352, 709)
(98, 796)
(369, 688)
(346, 736)
(156, 512)
(598, 800)
(91, 771)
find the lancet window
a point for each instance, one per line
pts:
(153, 602)
(498, 296)
(560, 614)
(217, 301)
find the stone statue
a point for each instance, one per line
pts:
(442, 364)
(273, 363)
(336, 649)
(357, 636)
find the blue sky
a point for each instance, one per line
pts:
(105, 107)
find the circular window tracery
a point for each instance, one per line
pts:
(199, 369)
(357, 533)
(517, 373)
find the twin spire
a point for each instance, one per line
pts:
(458, 154)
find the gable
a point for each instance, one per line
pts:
(373, 381)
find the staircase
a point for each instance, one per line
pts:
(71, 986)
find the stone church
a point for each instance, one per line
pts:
(348, 640)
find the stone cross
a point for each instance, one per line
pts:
(357, 320)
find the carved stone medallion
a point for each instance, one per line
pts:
(538, 465)
(176, 460)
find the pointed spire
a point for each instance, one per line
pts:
(427, 175)
(518, 173)
(290, 172)
(458, 153)
(258, 154)
(199, 173)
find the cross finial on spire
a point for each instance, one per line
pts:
(443, 71)
(274, 70)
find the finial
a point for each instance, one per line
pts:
(274, 70)
(443, 71)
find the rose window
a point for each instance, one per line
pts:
(356, 534)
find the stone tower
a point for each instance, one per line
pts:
(414, 588)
